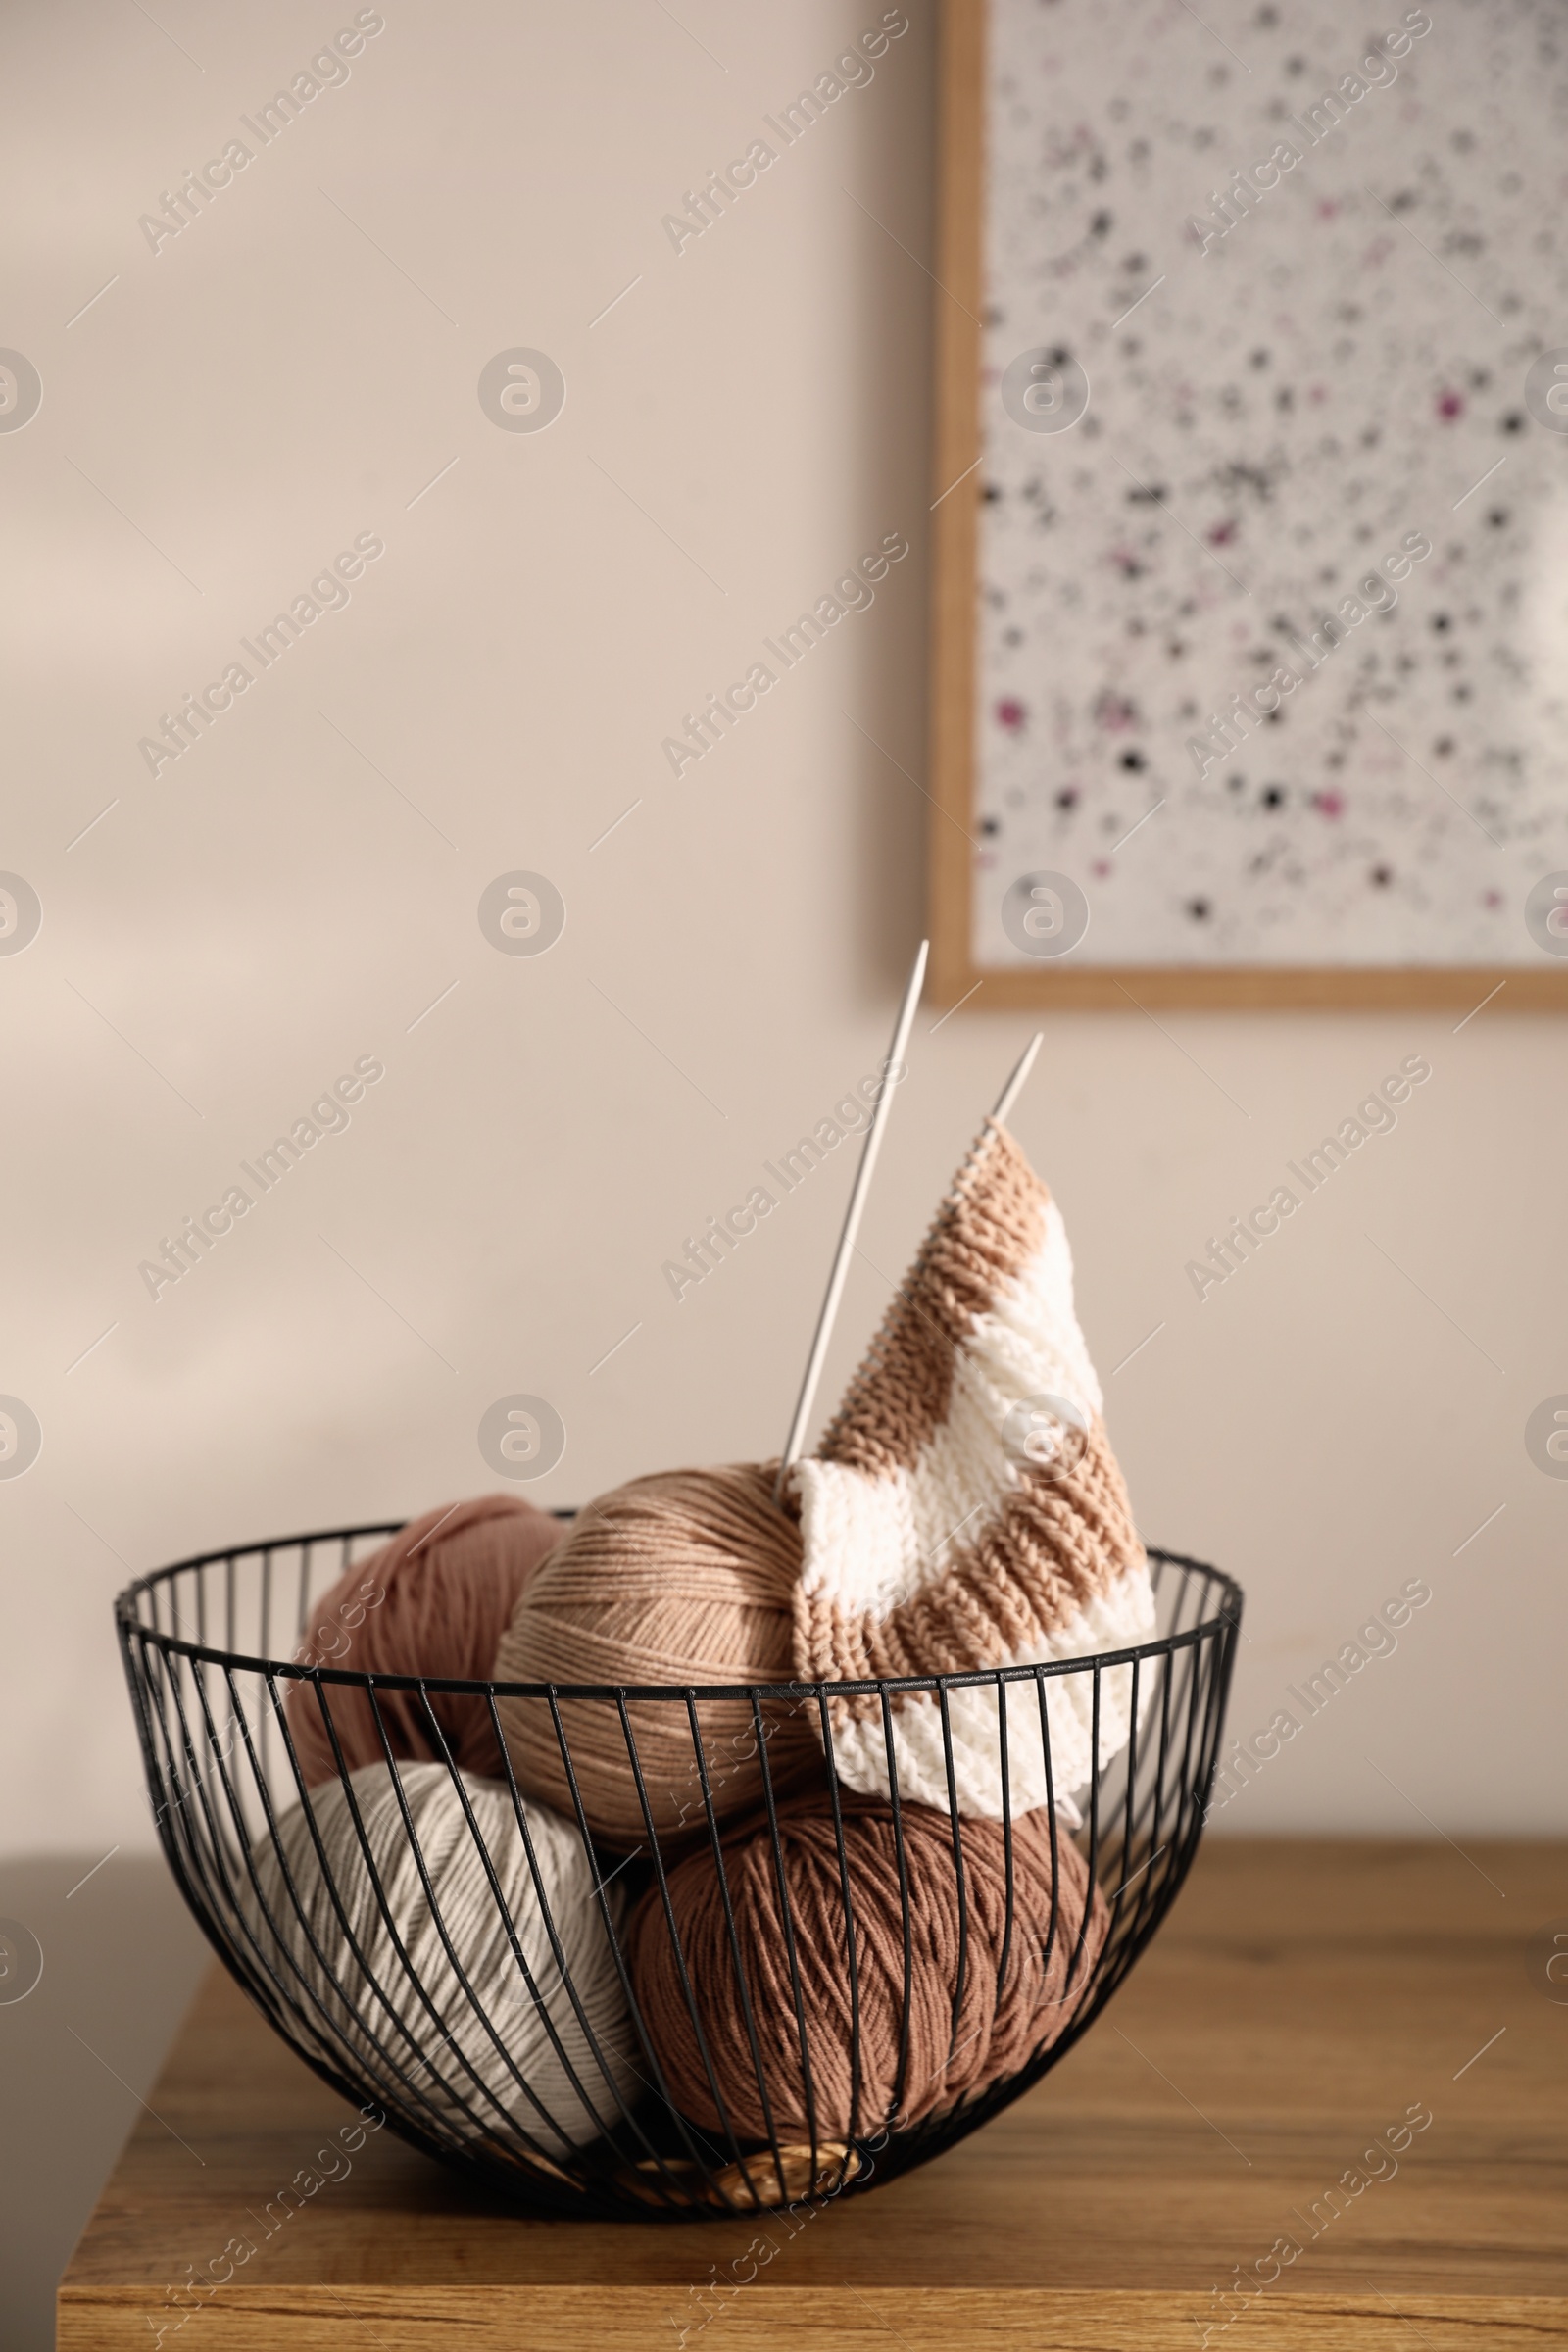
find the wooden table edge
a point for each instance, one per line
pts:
(562, 2319)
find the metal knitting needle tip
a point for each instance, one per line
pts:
(852, 1221)
(1015, 1084)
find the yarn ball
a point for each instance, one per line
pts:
(686, 1577)
(435, 1600)
(1006, 2013)
(385, 1988)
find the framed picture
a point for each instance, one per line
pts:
(1251, 620)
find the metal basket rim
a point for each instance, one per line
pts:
(290, 1670)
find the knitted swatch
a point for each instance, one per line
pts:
(964, 1511)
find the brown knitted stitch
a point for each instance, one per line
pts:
(1046, 1547)
(1052, 1549)
(988, 1229)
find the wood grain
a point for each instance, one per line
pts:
(1302, 1997)
(960, 167)
(955, 489)
(817, 2319)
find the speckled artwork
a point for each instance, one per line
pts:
(1273, 551)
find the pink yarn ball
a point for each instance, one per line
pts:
(434, 1601)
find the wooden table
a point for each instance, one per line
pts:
(1303, 1998)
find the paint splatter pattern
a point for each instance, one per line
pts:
(1327, 378)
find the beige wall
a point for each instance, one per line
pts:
(234, 932)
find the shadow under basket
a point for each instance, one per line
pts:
(362, 1943)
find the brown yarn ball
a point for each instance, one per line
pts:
(1003, 2018)
(686, 1577)
(435, 1600)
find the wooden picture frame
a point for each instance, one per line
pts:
(955, 973)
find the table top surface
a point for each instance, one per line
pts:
(1303, 2000)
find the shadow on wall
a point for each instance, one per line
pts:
(121, 1959)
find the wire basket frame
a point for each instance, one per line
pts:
(212, 1694)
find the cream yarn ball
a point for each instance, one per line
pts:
(474, 2065)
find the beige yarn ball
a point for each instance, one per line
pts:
(358, 1935)
(686, 1577)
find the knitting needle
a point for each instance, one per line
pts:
(851, 1222)
(1015, 1084)
(1005, 1099)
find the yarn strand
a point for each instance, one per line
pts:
(464, 1915)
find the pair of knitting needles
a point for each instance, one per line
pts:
(872, 1145)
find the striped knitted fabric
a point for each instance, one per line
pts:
(938, 1540)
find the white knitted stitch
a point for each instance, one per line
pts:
(1117, 1619)
(1032, 1332)
(871, 1542)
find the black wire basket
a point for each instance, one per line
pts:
(422, 2043)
